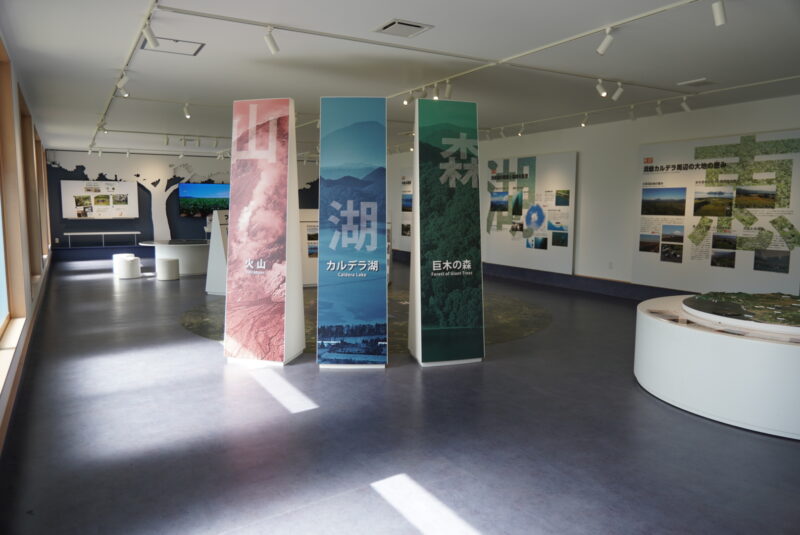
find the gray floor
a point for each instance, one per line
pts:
(128, 423)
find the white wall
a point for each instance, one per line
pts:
(609, 177)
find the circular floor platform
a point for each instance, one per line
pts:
(722, 373)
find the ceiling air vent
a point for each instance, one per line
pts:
(697, 82)
(169, 45)
(403, 28)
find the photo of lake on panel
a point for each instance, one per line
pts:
(352, 309)
(499, 201)
(713, 201)
(407, 202)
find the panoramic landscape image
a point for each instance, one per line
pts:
(755, 196)
(663, 201)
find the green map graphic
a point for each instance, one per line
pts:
(775, 308)
(701, 230)
(788, 231)
(752, 243)
(746, 168)
(724, 224)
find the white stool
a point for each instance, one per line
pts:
(117, 261)
(167, 269)
(130, 268)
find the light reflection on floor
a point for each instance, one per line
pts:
(421, 508)
(283, 391)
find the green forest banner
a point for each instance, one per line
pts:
(449, 283)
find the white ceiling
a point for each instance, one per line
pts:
(68, 56)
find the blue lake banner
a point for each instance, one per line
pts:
(446, 315)
(351, 292)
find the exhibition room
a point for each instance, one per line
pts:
(372, 267)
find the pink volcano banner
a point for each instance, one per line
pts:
(255, 313)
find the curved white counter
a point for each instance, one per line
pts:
(740, 380)
(192, 255)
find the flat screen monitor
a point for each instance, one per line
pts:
(199, 200)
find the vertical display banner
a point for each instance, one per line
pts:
(351, 292)
(218, 254)
(264, 308)
(446, 293)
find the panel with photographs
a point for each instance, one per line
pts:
(714, 216)
(528, 207)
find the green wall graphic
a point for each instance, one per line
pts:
(451, 291)
(747, 150)
(506, 177)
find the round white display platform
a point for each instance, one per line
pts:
(740, 380)
(192, 255)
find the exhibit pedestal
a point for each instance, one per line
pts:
(192, 255)
(737, 379)
(218, 254)
(167, 269)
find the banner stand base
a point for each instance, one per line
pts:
(253, 364)
(449, 362)
(290, 359)
(353, 366)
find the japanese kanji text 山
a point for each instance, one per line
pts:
(255, 265)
